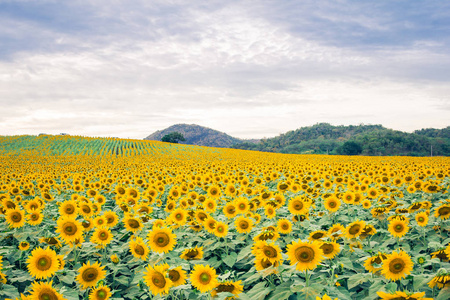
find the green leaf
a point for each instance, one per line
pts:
(282, 292)
(311, 292)
(9, 291)
(444, 294)
(230, 260)
(122, 280)
(71, 294)
(68, 278)
(420, 280)
(259, 291)
(244, 252)
(358, 279)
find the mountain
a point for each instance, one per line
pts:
(197, 135)
(324, 138)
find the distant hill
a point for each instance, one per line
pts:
(324, 138)
(197, 135)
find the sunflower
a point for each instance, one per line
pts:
(89, 275)
(177, 276)
(131, 223)
(297, 206)
(210, 205)
(422, 219)
(330, 249)
(229, 210)
(262, 264)
(235, 288)
(100, 221)
(214, 191)
(243, 224)
(24, 245)
(441, 254)
(42, 263)
(373, 264)
(372, 193)
(398, 228)
(442, 212)
(155, 279)
(398, 295)
(203, 278)
(354, 229)
(35, 217)
(179, 216)
(115, 259)
(241, 205)
(317, 235)
(221, 229)
(161, 240)
(210, 224)
(366, 204)
(86, 209)
(441, 280)
(195, 253)
(100, 293)
(284, 226)
(332, 204)
(69, 208)
(201, 216)
(43, 290)
(15, 218)
(69, 229)
(102, 237)
(139, 248)
(397, 265)
(307, 255)
(268, 251)
(336, 231)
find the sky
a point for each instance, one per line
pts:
(252, 69)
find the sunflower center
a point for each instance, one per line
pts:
(90, 274)
(298, 205)
(178, 216)
(396, 265)
(192, 253)
(47, 294)
(285, 226)
(398, 228)
(270, 251)
(421, 219)
(34, 217)
(231, 210)
(103, 235)
(133, 223)
(220, 229)
(101, 294)
(70, 229)
(242, 206)
(161, 239)
(174, 275)
(70, 209)
(16, 217)
(205, 278)
(44, 263)
(356, 228)
(304, 254)
(327, 248)
(332, 204)
(159, 280)
(243, 224)
(139, 250)
(225, 288)
(317, 235)
(265, 263)
(443, 211)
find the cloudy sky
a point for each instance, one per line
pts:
(249, 68)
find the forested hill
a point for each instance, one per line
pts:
(361, 139)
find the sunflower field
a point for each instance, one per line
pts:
(104, 218)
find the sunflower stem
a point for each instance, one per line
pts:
(307, 277)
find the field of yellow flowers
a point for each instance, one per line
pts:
(98, 218)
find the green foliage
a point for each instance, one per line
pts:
(350, 148)
(173, 137)
(324, 138)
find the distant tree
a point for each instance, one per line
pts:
(351, 148)
(173, 137)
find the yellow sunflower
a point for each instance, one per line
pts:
(15, 218)
(100, 293)
(139, 248)
(69, 229)
(100, 221)
(42, 263)
(297, 206)
(24, 245)
(161, 240)
(221, 229)
(441, 280)
(203, 278)
(243, 224)
(317, 235)
(397, 265)
(373, 264)
(235, 288)
(442, 212)
(330, 249)
(177, 276)
(69, 208)
(229, 210)
(262, 264)
(307, 255)
(354, 229)
(214, 191)
(44, 290)
(155, 279)
(332, 204)
(195, 253)
(398, 295)
(111, 218)
(179, 216)
(89, 275)
(35, 217)
(268, 251)
(241, 205)
(398, 228)
(132, 223)
(101, 237)
(284, 226)
(336, 231)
